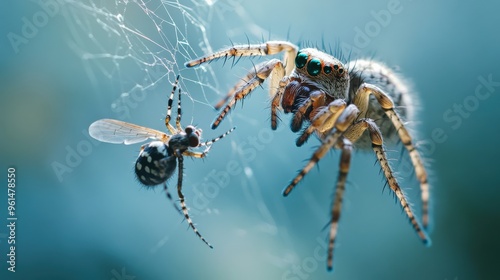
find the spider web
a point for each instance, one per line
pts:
(138, 44)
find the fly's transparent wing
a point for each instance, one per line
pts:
(118, 132)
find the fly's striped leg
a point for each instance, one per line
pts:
(272, 67)
(182, 201)
(361, 100)
(268, 48)
(345, 162)
(343, 122)
(207, 144)
(210, 142)
(169, 107)
(179, 113)
(170, 198)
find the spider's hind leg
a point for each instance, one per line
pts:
(361, 99)
(354, 133)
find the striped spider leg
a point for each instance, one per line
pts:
(158, 159)
(337, 102)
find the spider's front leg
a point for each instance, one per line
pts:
(345, 119)
(345, 163)
(332, 139)
(273, 68)
(254, 78)
(267, 48)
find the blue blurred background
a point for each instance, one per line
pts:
(82, 215)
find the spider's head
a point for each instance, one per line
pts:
(323, 70)
(193, 135)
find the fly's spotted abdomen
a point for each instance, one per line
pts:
(155, 164)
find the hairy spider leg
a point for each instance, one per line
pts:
(273, 67)
(252, 79)
(361, 100)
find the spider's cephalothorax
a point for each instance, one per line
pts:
(318, 78)
(337, 102)
(158, 160)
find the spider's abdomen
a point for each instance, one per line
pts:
(155, 164)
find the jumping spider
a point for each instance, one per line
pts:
(158, 159)
(338, 102)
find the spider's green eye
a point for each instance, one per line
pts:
(314, 67)
(301, 60)
(327, 69)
